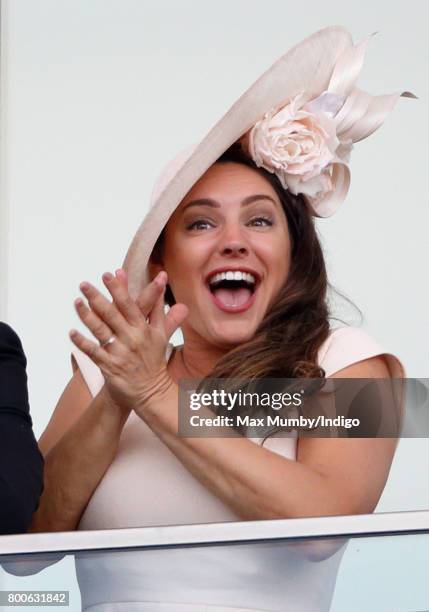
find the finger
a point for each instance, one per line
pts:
(122, 300)
(174, 318)
(122, 277)
(157, 314)
(90, 348)
(93, 323)
(106, 311)
(149, 295)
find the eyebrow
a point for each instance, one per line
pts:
(214, 204)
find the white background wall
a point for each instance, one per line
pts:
(98, 94)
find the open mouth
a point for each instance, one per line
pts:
(233, 291)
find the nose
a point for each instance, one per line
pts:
(234, 248)
(232, 242)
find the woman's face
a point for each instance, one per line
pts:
(231, 221)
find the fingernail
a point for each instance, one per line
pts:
(73, 333)
(84, 287)
(78, 302)
(107, 276)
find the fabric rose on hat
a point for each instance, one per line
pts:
(299, 143)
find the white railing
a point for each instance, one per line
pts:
(395, 523)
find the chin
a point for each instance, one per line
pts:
(232, 338)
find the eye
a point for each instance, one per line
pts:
(261, 221)
(199, 224)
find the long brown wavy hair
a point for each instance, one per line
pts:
(287, 341)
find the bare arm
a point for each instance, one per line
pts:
(330, 476)
(79, 444)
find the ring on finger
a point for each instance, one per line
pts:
(109, 341)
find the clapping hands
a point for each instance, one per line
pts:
(132, 338)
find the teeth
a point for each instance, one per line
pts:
(232, 275)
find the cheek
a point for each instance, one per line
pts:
(189, 254)
(275, 252)
(185, 262)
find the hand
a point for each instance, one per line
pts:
(133, 363)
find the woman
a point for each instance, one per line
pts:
(246, 210)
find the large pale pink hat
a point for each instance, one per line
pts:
(299, 120)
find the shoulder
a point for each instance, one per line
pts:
(6, 330)
(10, 344)
(13, 376)
(90, 373)
(346, 346)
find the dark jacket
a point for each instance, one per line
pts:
(21, 463)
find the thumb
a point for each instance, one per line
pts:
(174, 318)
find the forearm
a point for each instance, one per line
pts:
(76, 464)
(253, 481)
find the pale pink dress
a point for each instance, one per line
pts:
(146, 485)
